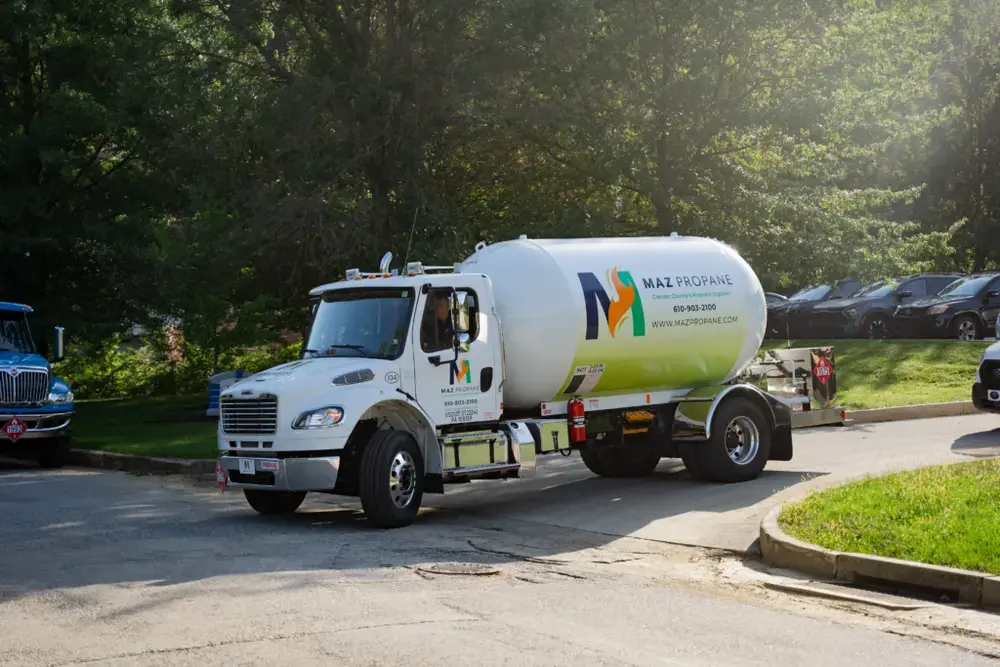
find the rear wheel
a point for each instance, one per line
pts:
(740, 443)
(274, 502)
(638, 457)
(966, 327)
(391, 479)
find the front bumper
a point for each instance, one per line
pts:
(317, 473)
(985, 399)
(40, 426)
(920, 326)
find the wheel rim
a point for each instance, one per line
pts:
(742, 440)
(966, 330)
(402, 479)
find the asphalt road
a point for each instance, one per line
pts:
(107, 569)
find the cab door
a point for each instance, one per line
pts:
(457, 384)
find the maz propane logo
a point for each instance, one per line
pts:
(461, 372)
(617, 311)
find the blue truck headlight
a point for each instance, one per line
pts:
(320, 418)
(63, 397)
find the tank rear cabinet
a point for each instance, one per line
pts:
(623, 350)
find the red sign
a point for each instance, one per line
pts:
(822, 370)
(14, 429)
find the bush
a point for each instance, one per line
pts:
(116, 368)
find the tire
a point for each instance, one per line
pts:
(689, 455)
(637, 458)
(877, 326)
(274, 502)
(391, 479)
(52, 455)
(717, 460)
(966, 327)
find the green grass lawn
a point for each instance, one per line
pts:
(878, 374)
(171, 427)
(945, 515)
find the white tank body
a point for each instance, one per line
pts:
(598, 317)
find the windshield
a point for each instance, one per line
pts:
(14, 333)
(811, 293)
(966, 286)
(361, 323)
(875, 290)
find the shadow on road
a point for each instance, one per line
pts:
(76, 528)
(983, 444)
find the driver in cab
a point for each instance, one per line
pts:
(437, 332)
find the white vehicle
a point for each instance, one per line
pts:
(623, 349)
(986, 390)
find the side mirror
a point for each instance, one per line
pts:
(993, 294)
(59, 350)
(462, 343)
(906, 294)
(460, 310)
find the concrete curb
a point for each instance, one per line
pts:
(139, 464)
(780, 549)
(907, 412)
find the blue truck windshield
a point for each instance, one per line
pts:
(361, 323)
(14, 333)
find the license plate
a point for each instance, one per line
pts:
(247, 467)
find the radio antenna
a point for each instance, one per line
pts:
(409, 244)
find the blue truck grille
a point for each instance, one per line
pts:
(23, 387)
(249, 415)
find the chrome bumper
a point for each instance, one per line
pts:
(301, 474)
(41, 426)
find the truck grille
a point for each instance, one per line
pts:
(989, 373)
(249, 415)
(23, 387)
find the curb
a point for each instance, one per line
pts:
(780, 549)
(139, 464)
(907, 412)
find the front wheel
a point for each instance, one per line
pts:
(877, 327)
(739, 445)
(51, 455)
(391, 479)
(274, 502)
(966, 327)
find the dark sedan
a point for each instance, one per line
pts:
(967, 310)
(789, 318)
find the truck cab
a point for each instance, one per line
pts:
(35, 406)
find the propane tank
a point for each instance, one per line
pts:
(606, 316)
(577, 420)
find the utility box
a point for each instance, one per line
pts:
(803, 378)
(217, 384)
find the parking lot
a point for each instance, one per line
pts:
(106, 569)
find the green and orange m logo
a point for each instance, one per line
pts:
(461, 372)
(617, 311)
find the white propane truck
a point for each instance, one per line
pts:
(624, 349)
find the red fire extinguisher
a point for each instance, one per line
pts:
(577, 422)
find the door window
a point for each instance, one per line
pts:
(437, 328)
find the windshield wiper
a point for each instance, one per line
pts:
(357, 348)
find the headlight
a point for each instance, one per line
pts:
(321, 418)
(937, 310)
(851, 312)
(61, 398)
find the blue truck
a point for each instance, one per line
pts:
(35, 406)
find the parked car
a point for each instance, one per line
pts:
(967, 309)
(867, 313)
(789, 319)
